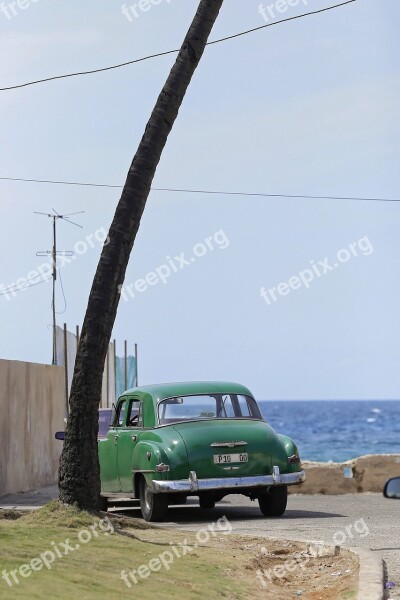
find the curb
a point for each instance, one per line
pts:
(371, 579)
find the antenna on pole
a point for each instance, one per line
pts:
(54, 255)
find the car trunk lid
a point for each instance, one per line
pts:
(227, 447)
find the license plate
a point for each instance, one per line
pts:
(226, 459)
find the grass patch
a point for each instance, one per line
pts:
(8, 514)
(95, 567)
(57, 514)
(64, 515)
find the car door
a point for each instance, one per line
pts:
(108, 450)
(128, 437)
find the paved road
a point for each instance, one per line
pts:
(366, 520)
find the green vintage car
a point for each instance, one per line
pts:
(205, 439)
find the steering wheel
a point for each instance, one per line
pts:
(133, 420)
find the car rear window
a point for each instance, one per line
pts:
(207, 406)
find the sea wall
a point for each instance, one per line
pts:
(31, 410)
(365, 474)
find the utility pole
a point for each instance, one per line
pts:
(53, 252)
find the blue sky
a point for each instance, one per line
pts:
(308, 107)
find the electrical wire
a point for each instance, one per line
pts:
(263, 195)
(83, 184)
(160, 54)
(206, 192)
(9, 288)
(22, 289)
(63, 293)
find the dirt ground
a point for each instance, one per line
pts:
(279, 570)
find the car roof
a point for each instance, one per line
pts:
(188, 388)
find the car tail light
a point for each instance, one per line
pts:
(294, 460)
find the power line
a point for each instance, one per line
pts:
(315, 12)
(262, 195)
(6, 292)
(83, 184)
(159, 54)
(207, 192)
(40, 274)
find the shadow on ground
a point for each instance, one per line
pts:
(192, 513)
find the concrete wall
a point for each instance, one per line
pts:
(367, 474)
(31, 411)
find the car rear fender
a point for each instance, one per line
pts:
(290, 450)
(153, 451)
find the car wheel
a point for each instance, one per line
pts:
(273, 504)
(103, 503)
(206, 502)
(154, 507)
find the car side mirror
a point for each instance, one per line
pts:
(59, 435)
(392, 488)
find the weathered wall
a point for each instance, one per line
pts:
(31, 411)
(369, 474)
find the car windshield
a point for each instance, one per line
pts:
(207, 406)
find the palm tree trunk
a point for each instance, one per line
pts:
(79, 480)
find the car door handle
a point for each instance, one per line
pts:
(116, 436)
(134, 438)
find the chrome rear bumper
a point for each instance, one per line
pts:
(193, 485)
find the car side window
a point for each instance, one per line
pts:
(105, 420)
(135, 416)
(120, 414)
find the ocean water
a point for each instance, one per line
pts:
(337, 430)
